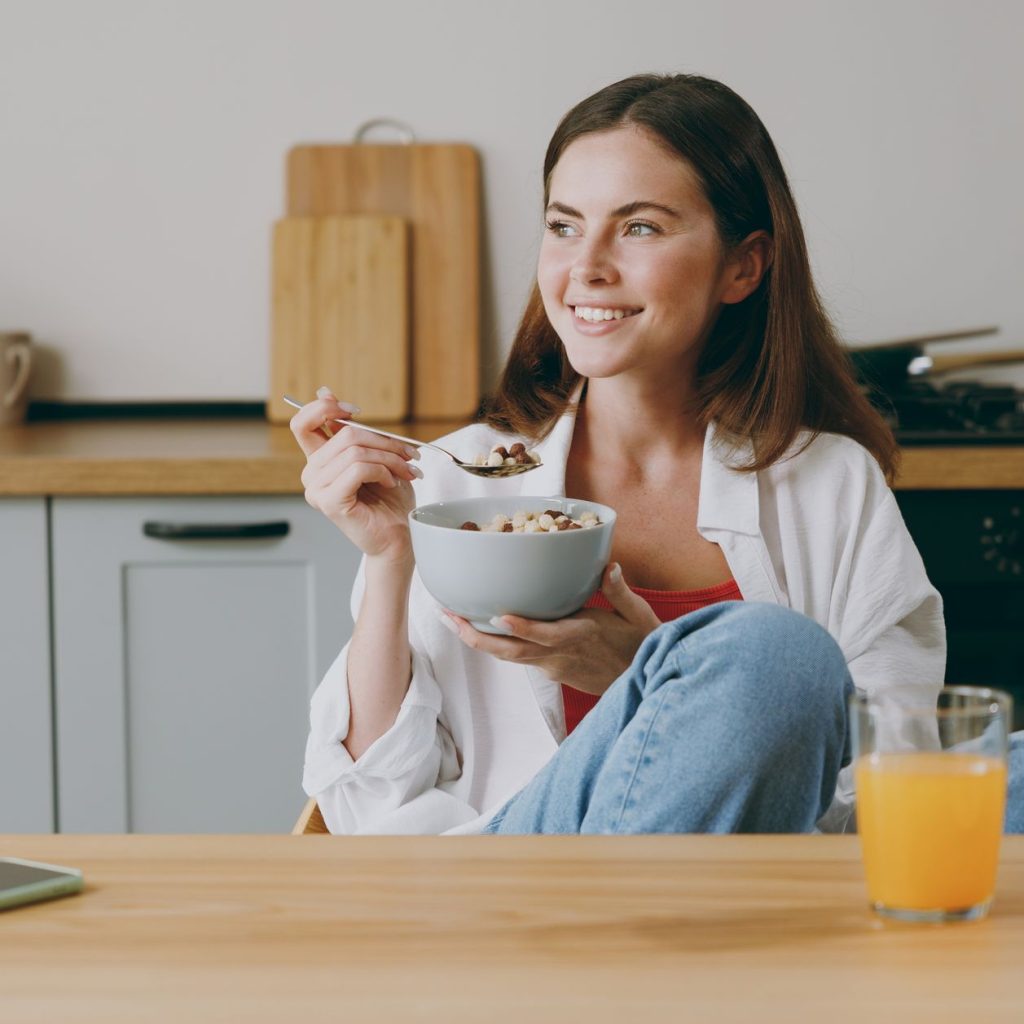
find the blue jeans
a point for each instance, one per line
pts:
(730, 719)
(1015, 785)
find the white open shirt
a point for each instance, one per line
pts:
(819, 532)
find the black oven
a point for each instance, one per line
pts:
(972, 543)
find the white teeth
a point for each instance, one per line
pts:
(596, 313)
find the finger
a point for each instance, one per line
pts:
(545, 634)
(327, 393)
(356, 435)
(342, 495)
(632, 607)
(309, 423)
(329, 463)
(505, 648)
(351, 437)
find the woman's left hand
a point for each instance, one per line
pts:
(587, 651)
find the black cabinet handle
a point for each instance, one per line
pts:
(216, 531)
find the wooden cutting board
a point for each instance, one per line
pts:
(436, 188)
(340, 314)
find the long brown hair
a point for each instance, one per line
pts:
(773, 364)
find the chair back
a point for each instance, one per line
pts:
(311, 821)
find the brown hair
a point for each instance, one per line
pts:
(773, 364)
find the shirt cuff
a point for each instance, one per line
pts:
(409, 742)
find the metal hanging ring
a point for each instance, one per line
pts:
(406, 133)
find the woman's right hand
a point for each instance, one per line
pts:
(359, 480)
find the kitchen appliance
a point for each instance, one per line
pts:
(340, 313)
(905, 385)
(972, 543)
(435, 188)
(964, 412)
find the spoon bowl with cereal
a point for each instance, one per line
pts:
(499, 462)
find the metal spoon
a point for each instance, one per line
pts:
(491, 471)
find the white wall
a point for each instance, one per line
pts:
(142, 147)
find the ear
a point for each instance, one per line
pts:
(745, 267)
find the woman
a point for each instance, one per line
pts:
(674, 362)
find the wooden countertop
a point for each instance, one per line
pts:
(175, 456)
(225, 456)
(487, 928)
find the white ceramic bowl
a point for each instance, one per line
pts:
(480, 575)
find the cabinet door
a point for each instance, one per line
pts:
(26, 728)
(189, 637)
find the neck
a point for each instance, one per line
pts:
(639, 423)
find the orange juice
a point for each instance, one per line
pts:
(930, 825)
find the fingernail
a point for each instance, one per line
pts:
(410, 452)
(616, 573)
(499, 623)
(447, 623)
(416, 472)
(348, 407)
(323, 392)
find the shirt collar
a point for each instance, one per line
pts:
(728, 498)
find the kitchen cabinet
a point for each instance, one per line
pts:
(26, 751)
(189, 634)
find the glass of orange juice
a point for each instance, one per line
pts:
(931, 796)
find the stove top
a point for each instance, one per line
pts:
(963, 413)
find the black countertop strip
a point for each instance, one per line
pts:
(49, 411)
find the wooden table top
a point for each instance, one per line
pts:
(519, 929)
(250, 456)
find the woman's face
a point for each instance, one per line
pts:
(632, 270)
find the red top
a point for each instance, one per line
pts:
(667, 605)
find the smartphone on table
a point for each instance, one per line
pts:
(27, 881)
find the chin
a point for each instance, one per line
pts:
(592, 364)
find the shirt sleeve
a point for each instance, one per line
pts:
(886, 615)
(397, 784)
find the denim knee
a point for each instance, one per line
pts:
(765, 660)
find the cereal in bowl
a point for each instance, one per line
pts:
(549, 521)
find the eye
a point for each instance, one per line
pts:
(560, 229)
(641, 229)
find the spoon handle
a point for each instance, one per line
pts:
(377, 430)
(386, 433)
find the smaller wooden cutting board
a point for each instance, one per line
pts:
(340, 313)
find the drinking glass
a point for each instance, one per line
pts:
(931, 797)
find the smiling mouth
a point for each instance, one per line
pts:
(597, 314)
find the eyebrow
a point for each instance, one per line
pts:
(623, 211)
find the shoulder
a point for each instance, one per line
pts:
(830, 459)
(828, 474)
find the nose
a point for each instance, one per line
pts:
(593, 264)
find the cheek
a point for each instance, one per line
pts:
(552, 275)
(682, 283)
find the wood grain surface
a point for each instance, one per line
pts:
(253, 457)
(673, 928)
(340, 313)
(436, 189)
